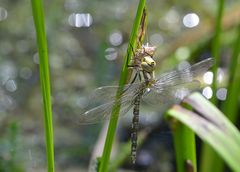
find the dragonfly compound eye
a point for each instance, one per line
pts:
(148, 64)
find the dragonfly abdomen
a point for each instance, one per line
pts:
(135, 126)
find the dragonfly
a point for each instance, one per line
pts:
(165, 90)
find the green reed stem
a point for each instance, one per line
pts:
(38, 17)
(216, 47)
(230, 106)
(185, 146)
(210, 161)
(123, 78)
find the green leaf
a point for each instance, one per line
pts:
(212, 127)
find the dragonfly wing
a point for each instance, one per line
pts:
(172, 87)
(104, 111)
(107, 94)
(167, 96)
(188, 74)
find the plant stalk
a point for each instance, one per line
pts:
(38, 16)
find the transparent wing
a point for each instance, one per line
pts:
(173, 86)
(186, 75)
(103, 112)
(167, 96)
(106, 96)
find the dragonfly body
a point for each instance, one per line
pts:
(145, 65)
(135, 126)
(168, 89)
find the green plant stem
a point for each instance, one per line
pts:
(208, 155)
(230, 106)
(38, 16)
(216, 47)
(185, 147)
(184, 144)
(123, 78)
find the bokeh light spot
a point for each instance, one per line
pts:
(3, 13)
(80, 19)
(36, 58)
(7, 71)
(207, 92)
(208, 77)
(156, 39)
(191, 20)
(222, 94)
(182, 53)
(116, 38)
(11, 85)
(111, 54)
(172, 16)
(220, 75)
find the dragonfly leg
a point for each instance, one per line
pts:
(135, 77)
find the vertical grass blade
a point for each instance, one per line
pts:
(185, 147)
(216, 46)
(123, 78)
(38, 17)
(230, 106)
(208, 155)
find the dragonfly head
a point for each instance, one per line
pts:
(148, 64)
(149, 50)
